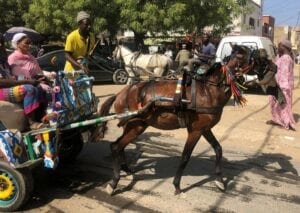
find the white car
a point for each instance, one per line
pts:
(256, 42)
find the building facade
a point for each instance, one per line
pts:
(250, 23)
(268, 24)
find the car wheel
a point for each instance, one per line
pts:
(120, 76)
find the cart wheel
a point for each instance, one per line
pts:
(70, 147)
(120, 76)
(15, 188)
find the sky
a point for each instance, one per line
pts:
(285, 12)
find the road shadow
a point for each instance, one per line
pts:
(165, 167)
(151, 159)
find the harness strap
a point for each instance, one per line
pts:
(207, 110)
(127, 98)
(193, 93)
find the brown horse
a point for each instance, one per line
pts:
(198, 109)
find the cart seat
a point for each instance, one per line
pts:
(12, 116)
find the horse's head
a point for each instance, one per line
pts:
(239, 60)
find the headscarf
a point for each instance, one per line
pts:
(17, 37)
(82, 15)
(286, 43)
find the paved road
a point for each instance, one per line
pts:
(261, 164)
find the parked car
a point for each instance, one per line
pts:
(255, 42)
(102, 68)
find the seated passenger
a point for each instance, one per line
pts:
(23, 91)
(24, 65)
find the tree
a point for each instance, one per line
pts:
(142, 16)
(58, 17)
(11, 13)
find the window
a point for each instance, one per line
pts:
(252, 22)
(266, 29)
(226, 50)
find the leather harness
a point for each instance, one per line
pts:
(184, 104)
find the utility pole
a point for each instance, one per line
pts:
(297, 19)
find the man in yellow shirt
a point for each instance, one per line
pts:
(79, 44)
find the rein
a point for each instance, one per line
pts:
(235, 87)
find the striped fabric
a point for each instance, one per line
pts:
(31, 96)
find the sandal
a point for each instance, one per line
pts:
(292, 128)
(37, 125)
(270, 122)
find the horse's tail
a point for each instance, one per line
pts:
(104, 111)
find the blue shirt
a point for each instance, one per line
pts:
(209, 49)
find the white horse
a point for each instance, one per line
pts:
(136, 63)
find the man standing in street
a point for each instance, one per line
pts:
(79, 44)
(182, 57)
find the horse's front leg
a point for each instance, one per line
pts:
(209, 136)
(131, 131)
(193, 138)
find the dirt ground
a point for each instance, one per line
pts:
(261, 166)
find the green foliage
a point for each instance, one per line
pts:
(58, 17)
(11, 13)
(178, 15)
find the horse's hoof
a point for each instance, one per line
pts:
(177, 191)
(220, 184)
(109, 189)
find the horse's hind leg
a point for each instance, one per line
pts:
(131, 131)
(209, 136)
(193, 138)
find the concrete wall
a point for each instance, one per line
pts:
(290, 33)
(281, 32)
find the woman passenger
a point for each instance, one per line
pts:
(21, 91)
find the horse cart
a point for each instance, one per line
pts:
(72, 121)
(163, 104)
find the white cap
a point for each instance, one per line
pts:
(82, 15)
(17, 37)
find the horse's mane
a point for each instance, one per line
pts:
(215, 66)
